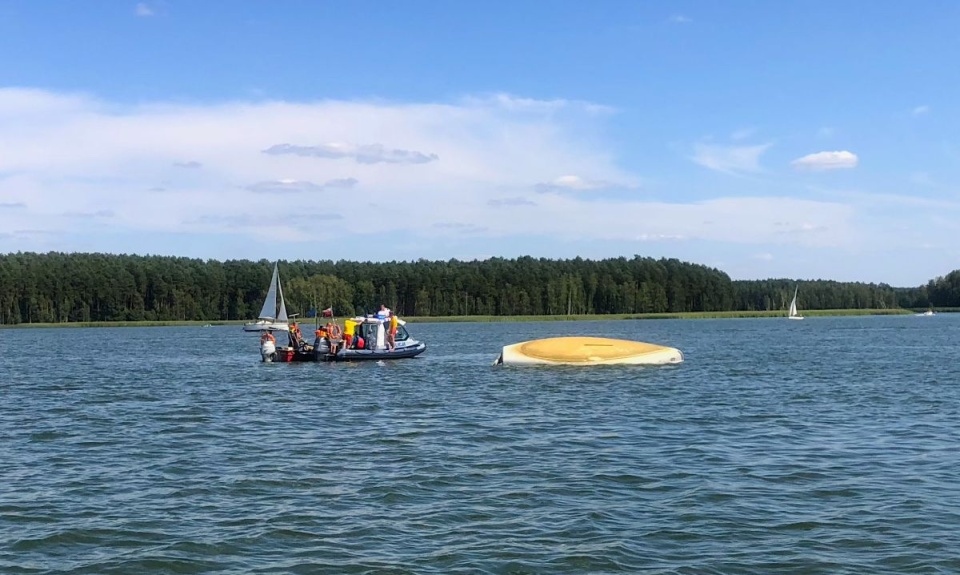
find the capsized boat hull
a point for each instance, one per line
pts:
(588, 351)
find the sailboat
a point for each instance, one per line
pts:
(270, 318)
(793, 306)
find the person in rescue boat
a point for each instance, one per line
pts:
(296, 339)
(391, 332)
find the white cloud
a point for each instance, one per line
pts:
(286, 186)
(579, 184)
(764, 256)
(820, 161)
(362, 154)
(729, 159)
(658, 237)
(510, 202)
(920, 110)
(90, 215)
(144, 10)
(680, 19)
(537, 107)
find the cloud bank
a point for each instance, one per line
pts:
(482, 168)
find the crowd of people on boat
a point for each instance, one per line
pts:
(347, 337)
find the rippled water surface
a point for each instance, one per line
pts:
(828, 446)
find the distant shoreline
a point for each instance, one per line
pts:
(506, 319)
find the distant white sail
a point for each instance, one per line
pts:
(792, 314)
(269, 319)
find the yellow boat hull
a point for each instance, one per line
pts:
(588, 351)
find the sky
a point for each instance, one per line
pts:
(804, 140)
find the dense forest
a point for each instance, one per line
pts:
(58, 287)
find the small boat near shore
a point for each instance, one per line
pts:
(587, 351)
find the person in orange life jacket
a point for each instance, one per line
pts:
(392, 332)
(334, 336)
(294, 335)
(323, 333)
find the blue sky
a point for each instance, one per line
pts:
(806, 140)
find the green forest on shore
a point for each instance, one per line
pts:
(59, 288)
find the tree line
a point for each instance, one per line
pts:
(83, 287)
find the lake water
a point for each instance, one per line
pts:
(830, 445)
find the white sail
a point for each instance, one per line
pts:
(792, 314)
(269, 309)
(269, 319)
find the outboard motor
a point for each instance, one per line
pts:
(268, 350)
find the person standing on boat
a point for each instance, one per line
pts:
(295, 337)
(384, 312)
(392, 332)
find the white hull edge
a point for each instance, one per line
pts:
(266, 326)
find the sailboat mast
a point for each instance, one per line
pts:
(282, 316)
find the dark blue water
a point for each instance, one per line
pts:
(827, 446)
